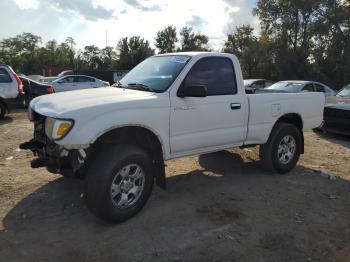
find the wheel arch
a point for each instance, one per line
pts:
(143, 137)
(293, 119)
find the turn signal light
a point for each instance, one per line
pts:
(63, 129)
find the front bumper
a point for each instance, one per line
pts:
(49, 154)
(336, 121)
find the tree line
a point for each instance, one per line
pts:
(297, 39)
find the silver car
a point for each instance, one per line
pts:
(76, 82)
(301, 86)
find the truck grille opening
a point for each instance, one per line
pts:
(39, 127)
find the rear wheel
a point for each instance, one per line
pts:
(118, 182)
(28, 97)
(282, 151)
(2, 110)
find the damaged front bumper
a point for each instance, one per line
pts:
(51, 155)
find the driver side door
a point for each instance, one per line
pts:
(217, 120)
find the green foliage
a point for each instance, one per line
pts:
(191, 41)
(132, 51)
(166, 40)
(20, 51)
(307, 39)
(245, 46)
(298, 40)
(91, 57)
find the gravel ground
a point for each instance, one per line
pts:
(218, 207)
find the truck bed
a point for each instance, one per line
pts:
(266, 108)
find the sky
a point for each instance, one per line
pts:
(87, 21)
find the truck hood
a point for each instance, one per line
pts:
(65, 103)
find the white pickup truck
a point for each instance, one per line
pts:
(168, 106)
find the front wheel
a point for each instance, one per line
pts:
(118, 182)
(282, 151)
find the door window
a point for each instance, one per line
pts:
(69, 79)
(216, 73)
(309, 88)
(319, 88)
(85, 79)
(4, 76)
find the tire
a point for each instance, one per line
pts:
(2, 110)
(27, 100)
(109, 167)
(281, 137)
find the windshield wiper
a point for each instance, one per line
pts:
(140, 86)
(119, 85)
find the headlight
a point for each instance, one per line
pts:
(57, 128)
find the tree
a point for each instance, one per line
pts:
(309, 39)
(331, 53)
(20, 51)
(91, 56)
(132, 51)
(166, 39)
(289, 24)
(245, 45)
(109, 57)
(191, 41)
(71, 43)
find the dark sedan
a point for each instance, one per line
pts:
(33, 89)
(337, 113)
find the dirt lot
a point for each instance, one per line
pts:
(218, 207)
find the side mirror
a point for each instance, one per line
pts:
(60, 82)
(193, 91)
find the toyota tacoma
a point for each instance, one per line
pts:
(168, 106)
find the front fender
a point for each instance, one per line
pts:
(86, 132)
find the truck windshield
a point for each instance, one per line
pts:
(155, 74)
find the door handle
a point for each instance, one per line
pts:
(184, 108)
(235, 106)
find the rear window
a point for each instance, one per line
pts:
(4, 76)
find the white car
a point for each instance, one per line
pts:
(168, 106)
(49, 79)
(11, 90)
(301, 86)
(76, 82)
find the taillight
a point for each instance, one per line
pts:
(19, 82)
(50, 90)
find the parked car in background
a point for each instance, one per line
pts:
(337, 113)
(11, 92)
(49, 79)
(257, 83)
(33, 89)
(301, 86)
(76, 82)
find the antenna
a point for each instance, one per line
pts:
(106, 37)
